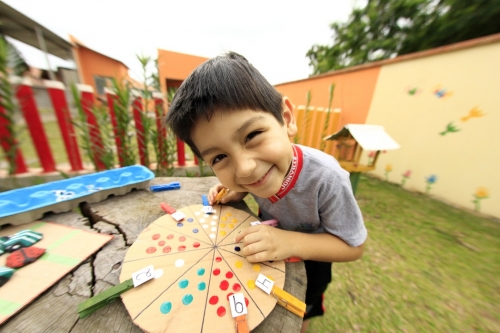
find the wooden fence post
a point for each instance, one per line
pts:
(34, 122)
(96, 145)
(57, 95)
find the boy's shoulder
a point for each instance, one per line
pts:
(318, 164)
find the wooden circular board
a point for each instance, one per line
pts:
(198, 266)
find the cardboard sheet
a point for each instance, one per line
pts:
(65, 248)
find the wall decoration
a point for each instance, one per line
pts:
(450, 128)
(481, 194)
(442, 93)
(388, 168)
(431, 180)
(473, 113)
(413, 91)
(406, 176)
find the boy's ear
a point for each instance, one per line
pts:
(288, 117)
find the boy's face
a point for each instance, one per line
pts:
(249, 151)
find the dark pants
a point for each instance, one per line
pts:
(319, 275)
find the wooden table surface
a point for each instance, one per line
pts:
(125, 217)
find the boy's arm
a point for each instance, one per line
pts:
(264, 243)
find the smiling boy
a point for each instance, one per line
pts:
(235, 121)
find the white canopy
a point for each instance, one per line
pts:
(369, 137)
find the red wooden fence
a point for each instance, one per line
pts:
(56, 92)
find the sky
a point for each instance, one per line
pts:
(274, 35)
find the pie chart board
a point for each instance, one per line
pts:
(197, 267)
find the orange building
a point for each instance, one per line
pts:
(174, 67)
(97, 69)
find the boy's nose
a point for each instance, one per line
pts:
(245, 166)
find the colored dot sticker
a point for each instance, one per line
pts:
(256, 267)
(231, 225)
(195, 231)
(223, 233)
(229, 295)
(179, 263)
(213, 300)
(187, 299)
(167, 249)
(224, 285)
(229, 275)
(165, 307)
(251, 284)
(200, 271)
(170, 236)
(182, 239)
(180, 225)
(151, 249)
(234, 220)
(205, 226)
(236, 287)
(218, 259)
(216, 271)
(237, 248)
(190, 219)
(156, 236)
(221, 311)
(213, 229)
(212, 236)
(202, 220)
(181, 248)
(196, 244)
(201, 286)
(161, 243)
(238, 264)
(213, 223)
(223, 218)
(222, 225)
(183, 284)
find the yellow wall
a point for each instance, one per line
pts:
(463, 161)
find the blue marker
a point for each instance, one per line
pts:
(207, 209)
(165, 187)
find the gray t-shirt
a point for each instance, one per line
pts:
(320, 199)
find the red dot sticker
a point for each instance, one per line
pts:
(236, 287)
(151, 249)
(229, 275)
(229, 295)
(213, 300)
(196, 244)
(182, 239)
(246, 302)
(224, 285)
(161, 243)
(216, 271)
(221, 311)
(170, 236)
(218, 259)
(182, 248)
(167, 249)
(156, 236)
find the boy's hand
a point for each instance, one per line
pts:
(230, 196)
(264, 243)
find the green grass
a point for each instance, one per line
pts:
(427, 267)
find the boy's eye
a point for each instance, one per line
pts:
(252, 135)
(218, 158)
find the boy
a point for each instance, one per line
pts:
(235, 121)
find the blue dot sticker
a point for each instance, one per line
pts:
(201, 271)
(165, 307)
(201, 286)
(183, 284)
(187, 299)
(237, 249)
(179, 225)
(195, 231)
(190, 219)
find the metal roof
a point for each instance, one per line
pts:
(369, 137)
(18, 26)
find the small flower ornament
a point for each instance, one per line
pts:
(481, 194)
(431, 180)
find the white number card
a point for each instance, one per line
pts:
(237, 303)
(264, 283)
(143, 275)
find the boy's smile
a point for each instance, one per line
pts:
(249, 151)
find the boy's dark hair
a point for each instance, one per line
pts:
(223, 84)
